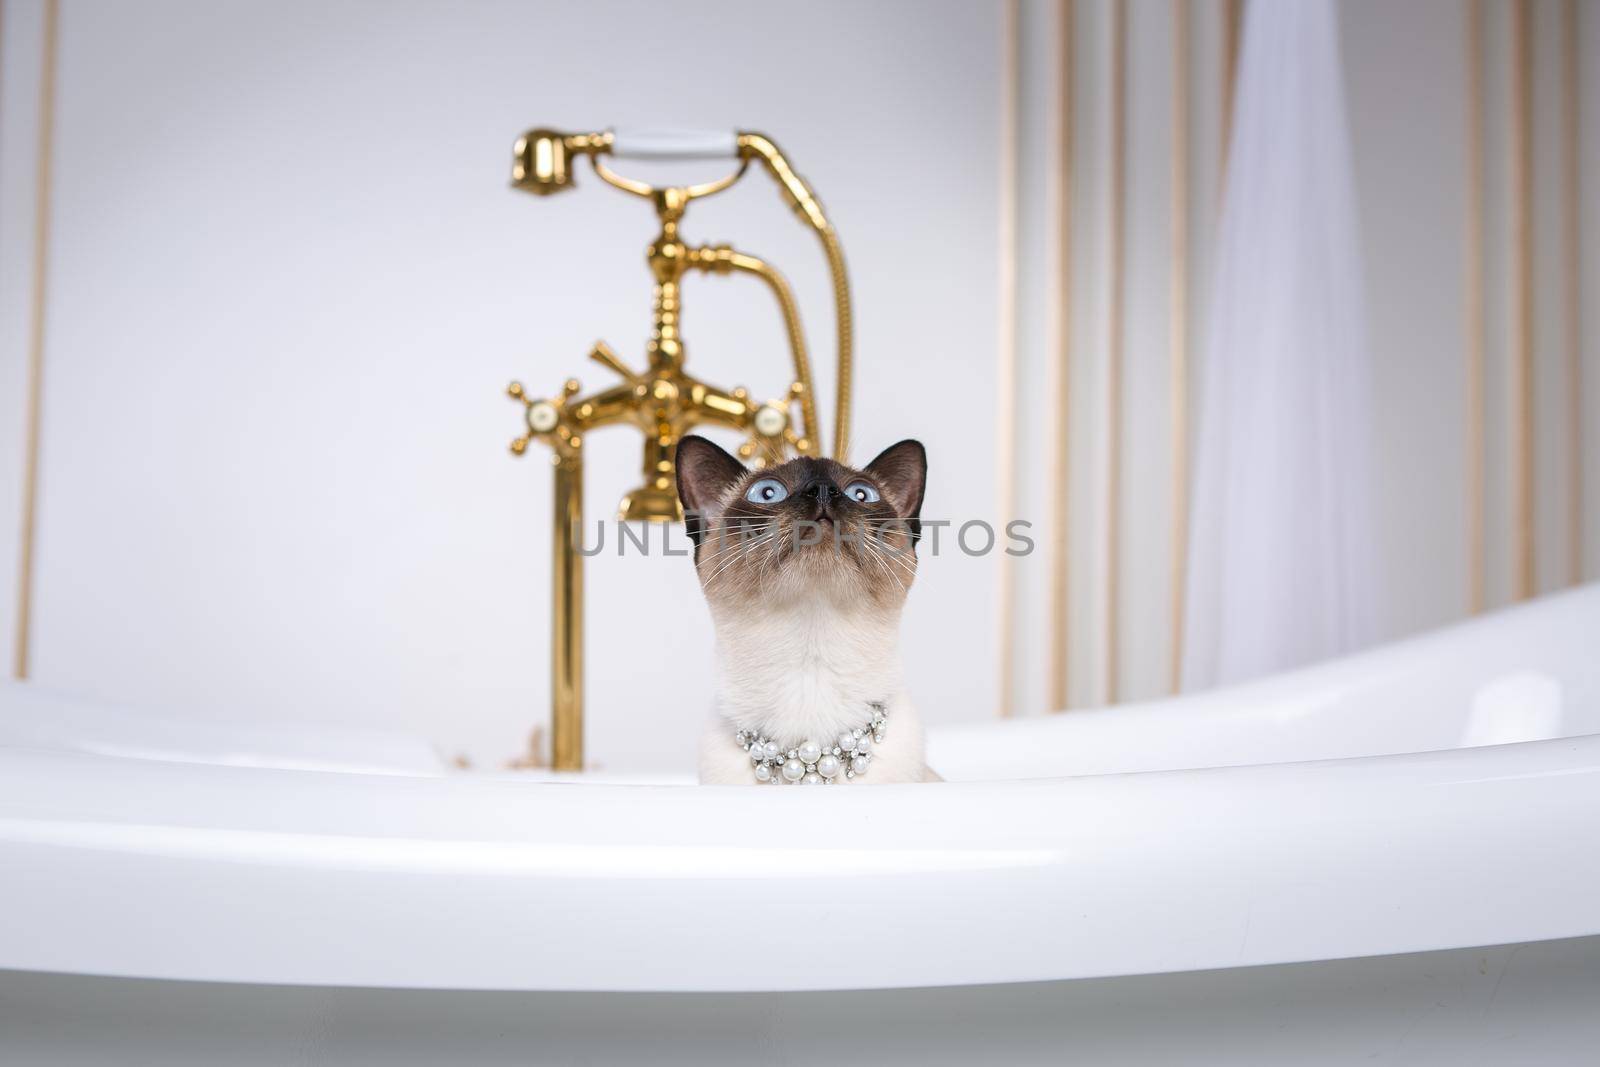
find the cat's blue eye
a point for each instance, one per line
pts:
(766, 491)
(861, 493)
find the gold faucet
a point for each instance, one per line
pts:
(663, 400)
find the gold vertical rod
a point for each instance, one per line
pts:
(1474, 279)
(1179, 333)
(844, 325)
(1574, 269)
(1060, 651)
(1522, 297)
(43, 165)
(1006, 341)
(1232, 14)
(1113, 502)
(566, 619)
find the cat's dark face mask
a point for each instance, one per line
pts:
(807, 523)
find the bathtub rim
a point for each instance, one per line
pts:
(1495, 801)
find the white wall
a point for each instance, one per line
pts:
(288, 282)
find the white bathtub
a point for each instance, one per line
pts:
(1405, 806)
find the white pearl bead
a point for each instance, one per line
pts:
(847, 741)
(794, 770)
(864, 746)
(772, 750)
(828, 766)
(763, 772)
(811, 779)
(809, 752)
(860, 764)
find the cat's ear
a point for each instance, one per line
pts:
(704, 474)
(902, 471)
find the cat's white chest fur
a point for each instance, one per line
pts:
(808, 671)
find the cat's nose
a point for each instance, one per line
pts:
(823, 494)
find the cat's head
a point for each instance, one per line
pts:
(805, 527)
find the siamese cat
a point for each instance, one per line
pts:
(805, 567)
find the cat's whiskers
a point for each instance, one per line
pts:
(869, 541)
(716, 566)
(742, 547)
(896, 557)
(727, 543)
(732, 555)
(874, 555)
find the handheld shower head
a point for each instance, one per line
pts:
(541, 158)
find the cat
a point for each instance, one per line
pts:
(806, 566)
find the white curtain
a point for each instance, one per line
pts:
(1282, 568)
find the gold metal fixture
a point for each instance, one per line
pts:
(43, 182)
(663, 400)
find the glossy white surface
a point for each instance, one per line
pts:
(1328, 814)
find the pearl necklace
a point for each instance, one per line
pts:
(809, 763)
